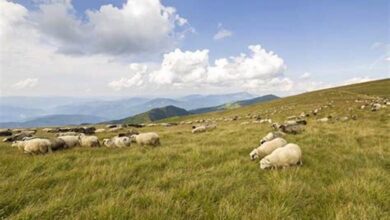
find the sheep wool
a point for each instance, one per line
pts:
(267, 148)
(286, 156)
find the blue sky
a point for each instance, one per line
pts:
(333, 42)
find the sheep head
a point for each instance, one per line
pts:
(254, 155)
(265, 163)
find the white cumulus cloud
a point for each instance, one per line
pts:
(137, 26)
(256, 71)
(27, 83)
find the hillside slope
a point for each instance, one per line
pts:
(345, 172)
(154, 115)
(236, 104)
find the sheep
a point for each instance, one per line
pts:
(267, 148)
(271, 135)
(70, 141)
(198, 129)
(58, 144)
(34, 146)
(323, 119)
(5, 132)
(100, 130)
(69, 133)
(149, 138)
(292, 129)
(117, 142)
(89, 141)
(288, 155)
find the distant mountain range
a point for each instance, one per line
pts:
(131, 110)
(20, 109)
(154, 115)
(54, 120)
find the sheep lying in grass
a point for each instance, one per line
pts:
(267, 148)
(34, 146)
(288, 155)
(89, 141)
(149, 138)
(203, 128)
(117, 142)
(271, 135)
(70, 141)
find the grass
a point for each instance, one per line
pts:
(209, 176)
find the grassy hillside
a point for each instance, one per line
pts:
(345, 172)
(154, 115)
(234, 105)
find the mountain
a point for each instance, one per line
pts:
(154, 115)
(53, 120)
(107, 109)
(127, 107)
(15, 113)
(236, 104)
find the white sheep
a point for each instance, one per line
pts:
(271, 135)
(267, 148)
(117, 142)
(89, 141)
(34, 146)
(149, 138)
(70, 141)
(288, 155)
(69, 133)
(100, 130)
(323, 120)
(199, 129)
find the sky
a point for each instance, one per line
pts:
(174, 48)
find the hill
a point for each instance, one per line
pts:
(210, 175)
(154, 115)
(236, 104)
(53, 120)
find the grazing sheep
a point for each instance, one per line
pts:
(5, 132)
(271, 135)
(376, 107)
(70, 141)
(58, 144)
(292, 129)
(100, 130)
(323, 119)
(47, 129)
(198, 129)
(267, 148)
(34, 146)
(108, 143)
(18, 137)
(149, 138)
(89, 141)
(69, 133)
(288, 155)
(117, 142)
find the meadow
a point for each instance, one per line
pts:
(345, 172)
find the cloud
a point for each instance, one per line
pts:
(359, 79)
(136, 80)
(305, 76)
(222, 33)
(27, 83)
(257, 71)
(138, 26)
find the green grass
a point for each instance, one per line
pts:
(345, 174)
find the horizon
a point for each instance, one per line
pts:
(162, 48)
